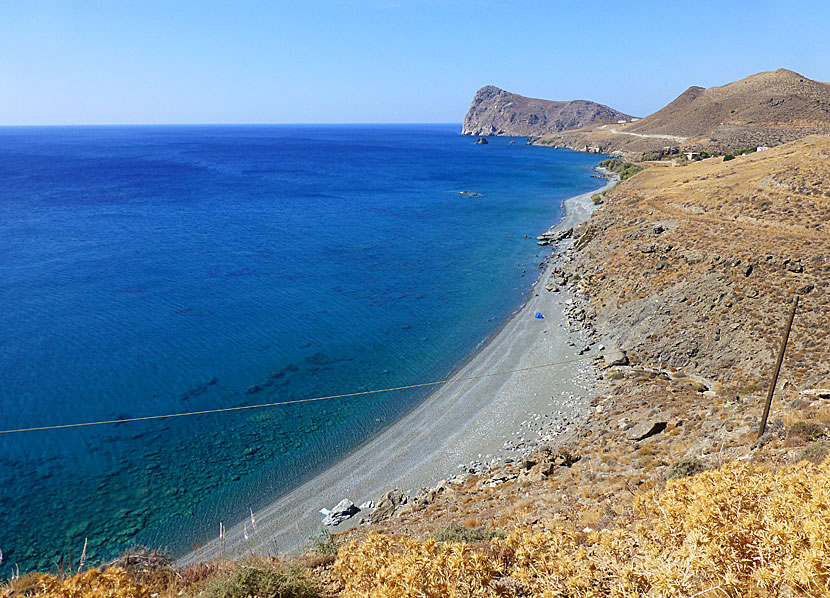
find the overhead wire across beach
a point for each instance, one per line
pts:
(292, 402)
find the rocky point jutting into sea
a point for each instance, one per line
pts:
(495, 111)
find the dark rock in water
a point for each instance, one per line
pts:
(253, 389)
(482, 141)
(199, 389)
(320, 358)
(344, 510)
(122, 416)
(387, 505)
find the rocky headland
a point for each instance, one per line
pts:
(495, 111)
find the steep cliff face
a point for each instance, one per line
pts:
(495, 111)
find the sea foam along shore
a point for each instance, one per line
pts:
(458, 423)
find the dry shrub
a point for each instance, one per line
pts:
(112, 582)
(316, 560)
(814, 452)
(687, 466)
(151, 569)
(261, 580)
(197, 574)
(382, 566)
(737, 531)
(741, 529)
(806, 430)
(469, 535)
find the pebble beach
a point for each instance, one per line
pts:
(462, 428)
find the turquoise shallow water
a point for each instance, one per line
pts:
(151, 270)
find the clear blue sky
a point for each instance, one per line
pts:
(238, 61)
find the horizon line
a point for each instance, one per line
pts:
(226, 124)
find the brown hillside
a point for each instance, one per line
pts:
(693, 266)
(768, 108)
(766, 99)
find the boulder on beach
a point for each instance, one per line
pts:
(344, 510)
(614, 356)
(387, 505)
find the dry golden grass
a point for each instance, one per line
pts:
(248, 578)
(738, 531)
(95, 583)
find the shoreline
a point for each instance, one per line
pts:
(458, 423)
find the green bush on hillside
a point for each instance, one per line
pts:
(322, 542)
(687, 466)
(623, 169)
(728, 157)
(261, 580)
(458, 533)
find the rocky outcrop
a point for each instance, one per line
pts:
(345, 509)
(388, 504)
(495, 111)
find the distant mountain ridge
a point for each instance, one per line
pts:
(767, 108)
(767, 98)
(495, 111)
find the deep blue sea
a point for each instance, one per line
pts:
(161, 269)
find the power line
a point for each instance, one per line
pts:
(294, 402)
